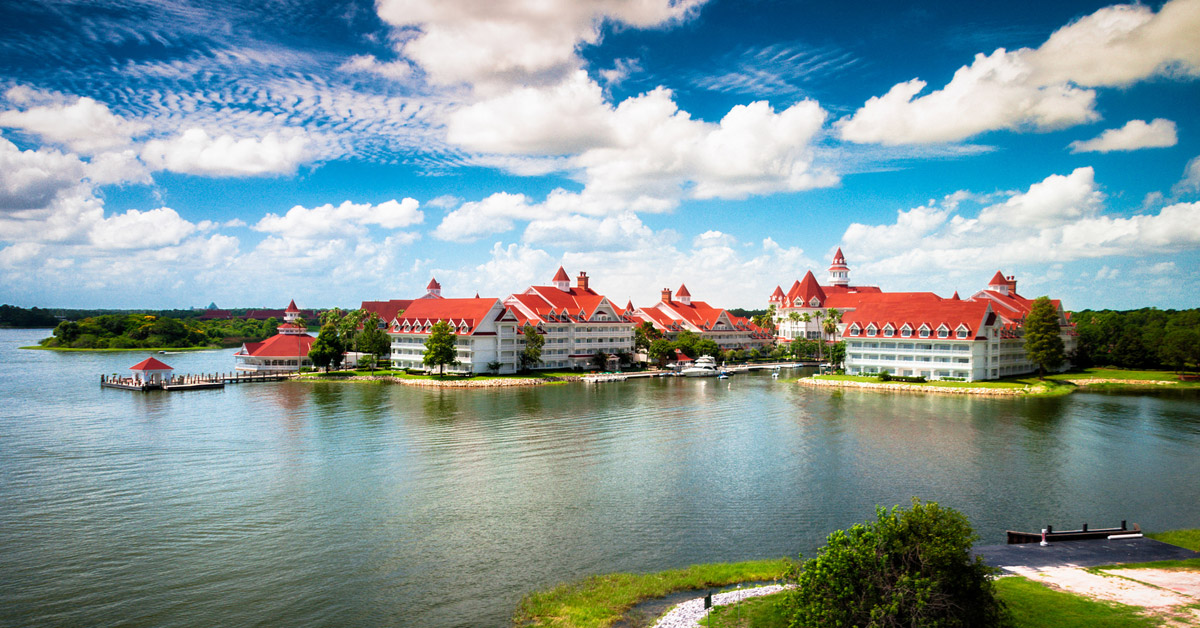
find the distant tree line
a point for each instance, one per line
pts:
(1148, 338)
(135, 331)
(13, 316)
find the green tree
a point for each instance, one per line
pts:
(600, 360)
(1043, 344)
(907, 568)
(374, 340)
(837, 354)
(270, 327)
(67, 332)
(327, 349)
(531, 355)
(1180, 348)
(686, 341)
(439, 347)
(707, 346)
(494, 367)
(645, 334)
(349, 328)
(660, 351)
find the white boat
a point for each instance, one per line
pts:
(704, 366)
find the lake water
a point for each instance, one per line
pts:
(336, 504)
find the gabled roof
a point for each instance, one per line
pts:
(455, 311)
(803, 291)
(279, 346)
(916, 309)
(574, 303)
(150, 364)
(387, 310)
(778, 294)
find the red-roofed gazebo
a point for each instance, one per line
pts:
(151, 371)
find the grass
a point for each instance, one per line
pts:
(1049, 388)
(755, 612)
(599, 601)
(1034, 605)
(1183, 538)
(1114, 373)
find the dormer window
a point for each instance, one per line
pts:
(924, 331)
(962, 331)
(815, 302)
(943, 331)
(889, 331)
(428, 327)
(871, 329)
(906, 331)
(855, 329)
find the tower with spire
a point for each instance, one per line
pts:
(839, 272)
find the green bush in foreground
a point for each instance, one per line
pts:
(908, 568)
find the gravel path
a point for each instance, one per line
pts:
(689, 613)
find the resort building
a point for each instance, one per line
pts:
(485, 332)
(387, 310)
(919, 334)
(576, 321)
(676, 313)
(286, 351)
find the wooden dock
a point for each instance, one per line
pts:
(207, 381)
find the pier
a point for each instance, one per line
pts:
(189, 382)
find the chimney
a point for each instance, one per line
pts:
(666, 295)
(1011, 280)
(582, 281)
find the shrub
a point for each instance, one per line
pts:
(908, 568)
(885, 376)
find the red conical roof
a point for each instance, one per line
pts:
(683, 291)
(292, 306)
(561, 275)
(808, 289)
(778, 292)
(629, 306)
(150, 364)
(433, 284)
(955, 297)
(839, 260)
(998, 280)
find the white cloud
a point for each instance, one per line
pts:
(195, 152)
(31, 179)
(395, 70)
(480, 42)
(1044, 88)
(348, 219)
(494, 214)
(1059, 219)
(141, 230)
(575, 232)
(1134, 135)
(84, 126)
(1191, 177)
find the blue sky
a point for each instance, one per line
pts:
(168, 154)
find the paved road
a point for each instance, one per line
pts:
(1082, 553)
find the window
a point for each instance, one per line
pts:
(871, 329)
(924, 331)
(906, 331)
(962, 332)
(815, 302)
(943, 332)
(889, 331)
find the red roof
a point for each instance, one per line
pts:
(683, 291)
(549, 301)
(150, 364)
(433, 284)
(777, 294)
(839, 261)
(914, 309)
(803, 291)
(292, 307)
(998, 279)
(387, 310)
(561, 275)
(279, 346)
(457, 312)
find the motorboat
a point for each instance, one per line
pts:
(704, 366)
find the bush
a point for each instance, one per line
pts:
(908, 568)
(885, 376)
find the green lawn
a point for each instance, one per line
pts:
(1183, 538)
(599, 601)
(1034, 605)
(1113, 373)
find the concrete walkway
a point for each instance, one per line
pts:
(1081, 553)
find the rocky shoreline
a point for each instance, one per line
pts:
(911, 388)
(437, 383)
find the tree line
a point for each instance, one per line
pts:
(13, 316)
(145, 331)
(1148, 338)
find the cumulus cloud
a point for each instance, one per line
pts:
(141, 230)
(84, 126)
(395, 70)
(1136, 134)
(349, 219)
(494, 214)
(195, 152)
(1059, 219)
(575, 232)
(480, 43)
(31, 179)
(1044, 88)
(1191, 177)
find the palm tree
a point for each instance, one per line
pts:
(830, 326)
(795, 318)
(816, 316)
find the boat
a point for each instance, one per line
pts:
(704, 366)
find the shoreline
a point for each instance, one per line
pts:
(917, 388)
(130, 350)
(436, 383)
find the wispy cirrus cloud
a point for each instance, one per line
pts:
(784, 69)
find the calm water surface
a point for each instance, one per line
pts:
(291, 504)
